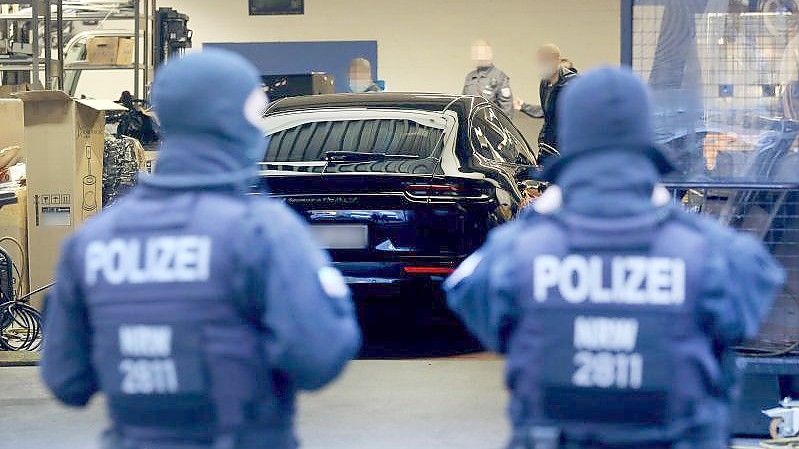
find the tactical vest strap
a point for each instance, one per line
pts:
(251, 263)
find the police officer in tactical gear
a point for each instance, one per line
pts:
(487, 80)
(616, 309)
(197, 309)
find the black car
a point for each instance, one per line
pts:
(398, 187)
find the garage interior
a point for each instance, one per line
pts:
(77, 131)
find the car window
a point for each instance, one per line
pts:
(310, 141)
(490, 138)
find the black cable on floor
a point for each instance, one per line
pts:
(20, 323)
(24, 330)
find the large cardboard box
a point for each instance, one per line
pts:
(64, 141)
(102, 50)
(109, 50)
(125, 49)
(12, 129)
(8, 90)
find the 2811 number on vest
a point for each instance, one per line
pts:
(605, 354)
(608, 370)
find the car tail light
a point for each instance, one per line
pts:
(440, 271)
(434, 190)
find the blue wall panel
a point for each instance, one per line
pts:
(284, 58)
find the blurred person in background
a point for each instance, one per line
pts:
(360, 74)
(200, 322)
(555, 73)
(486, 80)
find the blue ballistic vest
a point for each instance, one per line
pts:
(610, 335)
(177, 349)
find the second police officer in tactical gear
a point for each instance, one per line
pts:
(487, 80)
(616, 310)
(197, 309)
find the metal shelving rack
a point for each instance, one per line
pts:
(42, 12)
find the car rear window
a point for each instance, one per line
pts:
(309, 142)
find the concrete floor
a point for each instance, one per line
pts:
(431, 404)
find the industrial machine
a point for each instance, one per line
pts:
(172, 35)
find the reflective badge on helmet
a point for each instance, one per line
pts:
(332, 282)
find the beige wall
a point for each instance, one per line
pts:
(423, 45)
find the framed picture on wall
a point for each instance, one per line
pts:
(276, 7)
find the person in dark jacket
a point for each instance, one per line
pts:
(555, 73)
(197, 309)
(617, 311)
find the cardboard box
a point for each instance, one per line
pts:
(109, 50)
(13, 223)
(12, 129)
(64, 141)
(8, 90)
(125, 49)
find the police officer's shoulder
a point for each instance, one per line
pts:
(525, 224)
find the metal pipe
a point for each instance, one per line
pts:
(136, 46)
(48, 51)
(35, 44)
(720, 185)
(146, 74)
(60, 41)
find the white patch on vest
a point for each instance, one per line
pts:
(147, 366)
(255, 107)
(332, 282)
(156, 260)
(660, 196)
(605, 354)
(506, 93)
(145, 341)
(549, 201)
(605, 334)
(552, 199)
(633, 279)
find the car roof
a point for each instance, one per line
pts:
(379, 100)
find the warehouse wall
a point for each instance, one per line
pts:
(423, 45)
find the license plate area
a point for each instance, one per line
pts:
(341, 236)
